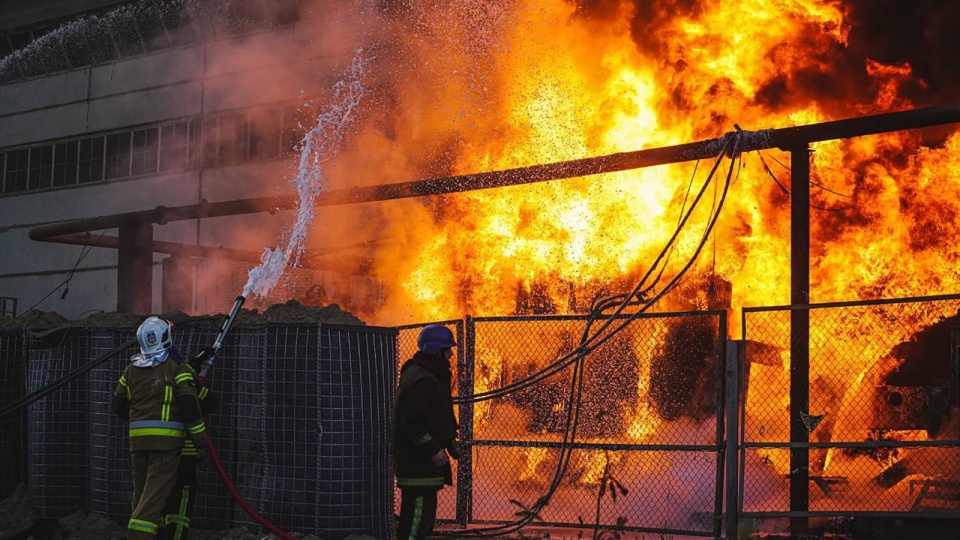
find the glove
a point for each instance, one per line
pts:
(197, 361)
(202, 454)
(453, 449)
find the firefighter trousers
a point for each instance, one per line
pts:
(179, 505)
(418, 511)
(154, 475)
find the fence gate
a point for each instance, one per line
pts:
(877, 388)
(647, 451)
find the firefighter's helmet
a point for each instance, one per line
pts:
(154, 335)
(434, 338)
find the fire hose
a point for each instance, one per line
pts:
(214, 458)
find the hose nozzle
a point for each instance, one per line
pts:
(208, 363)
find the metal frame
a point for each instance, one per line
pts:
(802, 447)
(720, 447)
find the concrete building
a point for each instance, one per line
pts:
(117, 107)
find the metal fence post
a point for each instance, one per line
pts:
(732, 408)
(465, 387)
(799, 335)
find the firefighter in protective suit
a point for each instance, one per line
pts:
(180, 503)
(158, 396)
(425, 431)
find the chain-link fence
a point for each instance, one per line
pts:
(862, 417)
(859, 418)
(645, 445)
(12, 433)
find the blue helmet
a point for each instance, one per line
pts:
(434, 338)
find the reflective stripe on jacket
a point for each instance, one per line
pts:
(155, 399)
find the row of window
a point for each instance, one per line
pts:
(205, 142)
(134, 29)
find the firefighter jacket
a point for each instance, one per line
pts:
(208, 405)
(424, 421)
(161, 404)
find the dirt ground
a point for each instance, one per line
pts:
(19, 521)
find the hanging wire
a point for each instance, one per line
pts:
(810, 204)
(84, 251)
(622, 301)
(590, 342)
(821, 186)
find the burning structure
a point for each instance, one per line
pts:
(485, 86)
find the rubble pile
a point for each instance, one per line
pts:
(289, 312)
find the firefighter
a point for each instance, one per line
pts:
(180, 503)
(425, 431)
(158, 396)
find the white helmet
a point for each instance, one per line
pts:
(155, 336)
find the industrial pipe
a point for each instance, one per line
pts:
(783, 138)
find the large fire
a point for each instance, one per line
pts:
(483, 86)
(536, 82)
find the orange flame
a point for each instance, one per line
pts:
(497, 87)
(554, 84)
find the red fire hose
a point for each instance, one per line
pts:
(225, 478)
(214, 458)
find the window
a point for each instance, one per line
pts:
(91, 160)
(283, 12)
(151, 29)
(262, 133)
(210, 142)
(50, 52)
(8, 306)
(65, 163)
(123, 24)
(117, 156)
(17, 169)
(292, 131)
(174, 142)
(232, 141)
(265, 134)
(76, 48)
(179, 28)
(101, 44)
(146, 143)
(41, 167)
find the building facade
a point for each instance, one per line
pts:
(109, 108)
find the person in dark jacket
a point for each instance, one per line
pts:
(183, 496)
(424, 431)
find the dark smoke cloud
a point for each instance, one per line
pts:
(922, 33)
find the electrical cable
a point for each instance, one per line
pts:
(585, 347)
(84, 251)
(579, 354)
(810, 204)
(821, 186)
